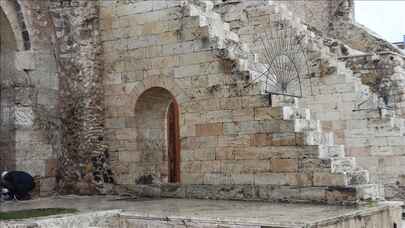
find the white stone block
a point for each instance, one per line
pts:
(24, 116)
(24, 60)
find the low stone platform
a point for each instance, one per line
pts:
(112, 211)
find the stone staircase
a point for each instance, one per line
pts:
(312, 135)
(288, 124)
(225, 43)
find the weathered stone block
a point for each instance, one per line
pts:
(24, 117)
(210, 166)
(191, 167)
(51, 167)
(225, 153)
(47, 186)
(287, 139)
(261, 140)
(328, 179)
(359, 177)
(284, 165)
(242, 114)
(341, 194)
(192, 178)
(115, 123)
(216, 179)
(24, 60)
(173, 191)
(234, 140)
(266, 113)
(343, 165)
(313, 194)
(315, 165)
(285, 193)
(206, 154)
(232, 167)
(242, 179)
(271, 179)
(213, 129)
(336, 151)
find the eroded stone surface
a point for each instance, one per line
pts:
(205, 213)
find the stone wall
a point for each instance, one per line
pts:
(335, 19)
(86, 85)
(83, 159)
(374, 138)
(323, 15)
(359, 98)
(29, 98)
(233, 145)
(346, 93)
(383, 151)
(7, 50)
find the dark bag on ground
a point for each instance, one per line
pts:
(19, 183)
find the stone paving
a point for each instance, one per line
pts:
(235, 212)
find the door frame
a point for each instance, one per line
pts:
(173, 143)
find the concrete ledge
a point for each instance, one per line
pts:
(265, 192)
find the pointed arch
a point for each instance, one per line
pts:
(14, 18)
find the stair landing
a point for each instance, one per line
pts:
(112, 211)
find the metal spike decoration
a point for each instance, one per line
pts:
(282, 62)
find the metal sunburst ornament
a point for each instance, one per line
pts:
(282, 62)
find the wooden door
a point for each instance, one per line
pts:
(173, 143)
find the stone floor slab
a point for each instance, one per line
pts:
(207, 213)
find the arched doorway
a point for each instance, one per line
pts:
(158, 138)
(8, 48)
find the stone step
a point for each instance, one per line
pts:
(359, 194)
(347, 179)
(359, 177)
(283, 171)
(367, 192)
(347, 167)
(375, 132)
(349, 195)
(343, 165)
(394, 122)
(327, 179)
(211, 18)
(226, 43)
(203, 8)
(206, 6)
